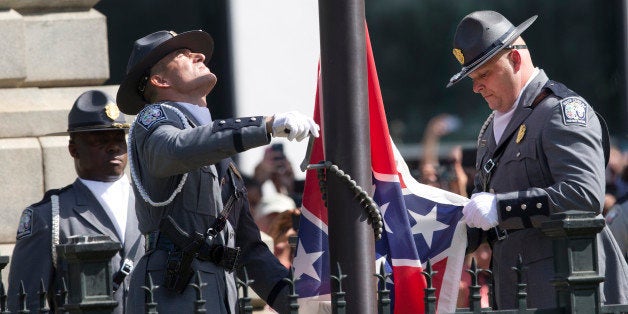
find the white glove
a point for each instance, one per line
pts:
(481, 211)
(294, 125)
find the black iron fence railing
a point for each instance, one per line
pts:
(576, 281)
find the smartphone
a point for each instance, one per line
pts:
(279, 149)
(468, 157)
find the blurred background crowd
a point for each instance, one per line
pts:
(276, 212)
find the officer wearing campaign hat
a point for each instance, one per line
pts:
(181, 166)
(480, 36)
(147, 51)
(541, 151)
(95, 111)
(100, 201)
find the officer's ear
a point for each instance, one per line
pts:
(159, 81)
(515, 59)
(72, 147)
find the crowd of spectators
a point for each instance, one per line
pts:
(277, 214)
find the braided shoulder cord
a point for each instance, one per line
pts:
(54, 200)
(484, 126)
(134, 175)
(374, 215)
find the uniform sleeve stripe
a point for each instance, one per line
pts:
(237, 141)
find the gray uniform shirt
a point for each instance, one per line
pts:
(163, 150)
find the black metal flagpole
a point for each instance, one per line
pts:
(346, 131)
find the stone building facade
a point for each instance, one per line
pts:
(51, 51)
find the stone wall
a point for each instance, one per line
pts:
(51, 52)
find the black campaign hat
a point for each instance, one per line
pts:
(481, 35)
(94, 111)
(147, 51)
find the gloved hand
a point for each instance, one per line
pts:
(481, 211)
(294, 125)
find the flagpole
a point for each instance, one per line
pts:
(345, 113)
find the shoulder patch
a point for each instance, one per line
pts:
(25, 227)
(574, 111)
(151, 115)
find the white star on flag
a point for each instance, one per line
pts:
(427, 225)
(304, 262)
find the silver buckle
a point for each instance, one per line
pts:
(501, 233)
(127, 267)
(488, 166)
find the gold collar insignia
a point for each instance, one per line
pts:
(521, 133)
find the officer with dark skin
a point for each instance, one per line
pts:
(100, 201)
(541, 151)
(193, 204)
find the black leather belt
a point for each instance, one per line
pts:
(220, 255)
(497, 234)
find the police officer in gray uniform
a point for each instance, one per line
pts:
(192, 198)
(541, 151)
(100, 201)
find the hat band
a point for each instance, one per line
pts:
(114, 125)
(491, 49)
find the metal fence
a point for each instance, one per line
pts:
(576, 279)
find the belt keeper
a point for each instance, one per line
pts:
(501, 233)
(225, 257)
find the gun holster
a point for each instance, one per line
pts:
(183, 248)
(178, 271)
(179, 263)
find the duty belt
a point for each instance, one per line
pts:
(218, 254)
(496, 234)
(184, 247)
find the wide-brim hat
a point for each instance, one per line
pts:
(147, 51)
(274, 203)
(94, 111)
(481, 35)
